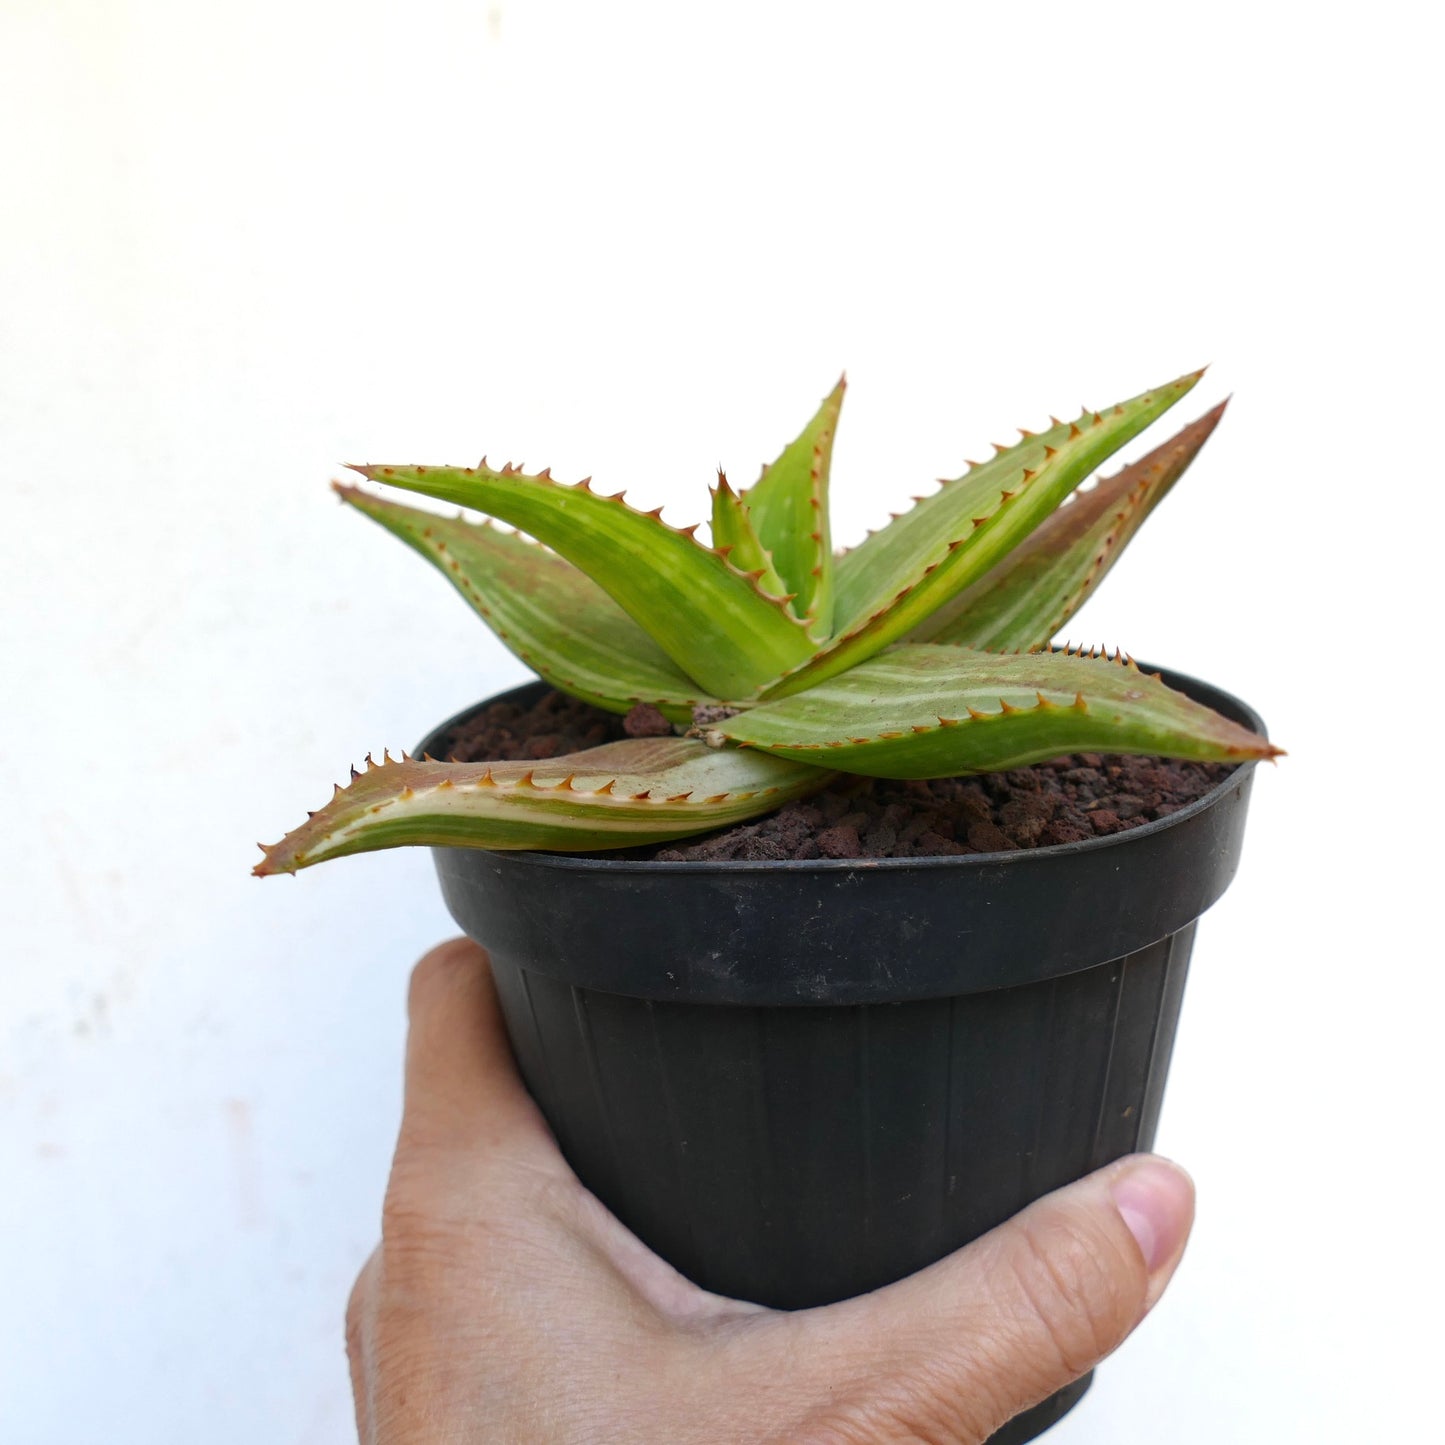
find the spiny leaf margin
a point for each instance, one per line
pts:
(949, 540)
(642, 790)
(734, 537)
(553, 616)
(932, 710)
(1029, 597)
(711, 619)
(788, 506)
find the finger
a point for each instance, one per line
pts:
(1031, 1306)
(463, 1092)
(358, 1322)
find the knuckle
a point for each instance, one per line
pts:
(1079, 1287)
(357, 1304)
(428, 1241)
(436, 974)
(406, 1216)
(428, 1135)
(412, 1215)
(419, 1258)
(941, 1414)
(923, 1407)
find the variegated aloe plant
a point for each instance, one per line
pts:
(921, 653)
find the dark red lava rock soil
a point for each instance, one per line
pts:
(1063, 801)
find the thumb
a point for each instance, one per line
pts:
(1028, 1308)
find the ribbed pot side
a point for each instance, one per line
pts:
(800, 1081)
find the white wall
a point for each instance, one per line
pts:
(242, 244)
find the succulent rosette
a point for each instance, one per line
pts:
(923, 652)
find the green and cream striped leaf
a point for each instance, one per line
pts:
(554, 617)
(712, 620)
(788, 506)
(643, 790)
(903, 574)
(1034, 591)
(734, 538)
(933, 710)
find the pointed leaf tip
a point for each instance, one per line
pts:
(548, 612)
(788, 510)
(1021, 708)
(906, 550)
(1034, 590)
(709, 620)
(639, 791)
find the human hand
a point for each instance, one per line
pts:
(505, 1304)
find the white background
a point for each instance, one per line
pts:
(242, 244)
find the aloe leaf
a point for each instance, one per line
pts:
(903, 574)
(788, 505)
(712, 620)
(644, 790)
(734, 537)
(555, 618)
(1034, 591)
(934, 710)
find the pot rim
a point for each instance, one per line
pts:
(1215, 697)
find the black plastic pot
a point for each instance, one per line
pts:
(798, 1081)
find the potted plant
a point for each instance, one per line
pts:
(803, 1073)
